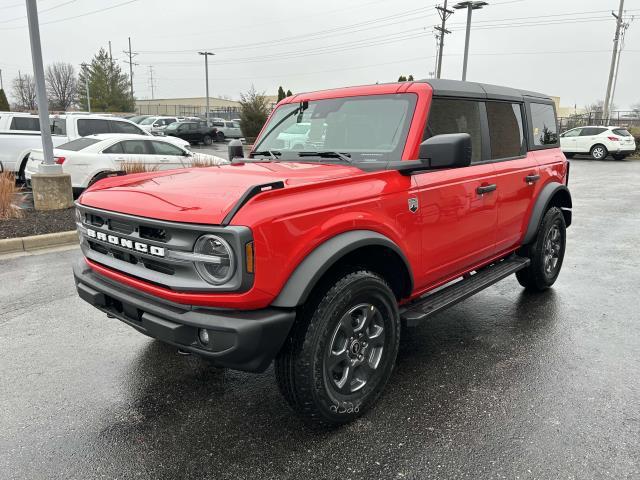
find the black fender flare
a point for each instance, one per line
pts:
(307, 274)
(545, 197)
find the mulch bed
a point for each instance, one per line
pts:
(34, 222)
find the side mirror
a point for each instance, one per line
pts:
(235, 149)
(448, 150)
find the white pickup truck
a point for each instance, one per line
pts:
(20, 133)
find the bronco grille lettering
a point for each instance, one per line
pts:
(126, 243)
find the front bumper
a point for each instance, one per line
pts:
(242, 340)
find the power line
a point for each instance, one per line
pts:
(22, 17)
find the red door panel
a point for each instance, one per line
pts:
(458, 223)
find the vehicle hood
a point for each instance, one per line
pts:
(201, 195)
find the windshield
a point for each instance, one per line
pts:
(148, 121)
(78, 144)
(368, 128)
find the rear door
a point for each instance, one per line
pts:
(458, 206)
(588, 137)
(140, 154)
(169, 156)
(517, 172)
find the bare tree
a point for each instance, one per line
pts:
(62, 85)
(24, 92)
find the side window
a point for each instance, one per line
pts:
(25, 123)
(91, 126)
(58, 126)
(162, 148)
(135, 147)
(218, 124)
(229, 124)
(588, 131)
(194, 126)
(115, 148)
(544, 130)
(572, 133)
(124, 127)
(506, 132)
(456, 116)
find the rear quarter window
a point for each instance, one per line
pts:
(25, 123)
(78, 144)
(621, 131)
(543, 129)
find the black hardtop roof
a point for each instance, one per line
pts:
(458, 88)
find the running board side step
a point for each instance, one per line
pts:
(424, 307)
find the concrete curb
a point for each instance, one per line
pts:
(37, 242)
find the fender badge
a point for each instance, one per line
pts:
(413, 204)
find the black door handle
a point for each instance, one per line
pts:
(532, 178)
(481, 190)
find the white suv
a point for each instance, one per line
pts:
(598, 142)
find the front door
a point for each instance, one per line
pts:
(457, 206)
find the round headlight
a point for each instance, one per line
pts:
(221, 267)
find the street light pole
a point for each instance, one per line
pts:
(41, 93)
(470, 6)
(86, 84)
(206, 77)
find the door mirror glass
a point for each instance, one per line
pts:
(448, 150)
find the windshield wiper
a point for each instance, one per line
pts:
(274, 154)
(346, 157)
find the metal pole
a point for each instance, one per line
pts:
(466, 42)
(614, 55)
(130, 69)
(41, 92)
(1, 84)
(86, 85)
(441, 45)
(206, 77)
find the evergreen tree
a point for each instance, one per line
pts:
(255, 110)
(402, 78)
(4, 103)
(108, 86)
(289, 94)
(281, 93)
(410, 78)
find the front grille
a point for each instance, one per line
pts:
(158, 252)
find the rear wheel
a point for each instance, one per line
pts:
(207, 140)
(599, 152)
(220, 137)
(546, 253)
(341, 351)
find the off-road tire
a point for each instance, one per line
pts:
(599, 152)
(302, 365)
(206, 140)
(538, 276)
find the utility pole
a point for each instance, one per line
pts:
(614, 56)
(1, 84)
(444, 15)
(625, 26)
(470, 6)
(85, 67)
(41, 92)
(206, 79)
(131, 54)
(151, 81)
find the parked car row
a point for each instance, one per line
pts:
(222, 129)
(598, 142)
(20, 134)
(91, 158)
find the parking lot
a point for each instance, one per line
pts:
(503, 385)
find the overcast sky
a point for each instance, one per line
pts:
(565, 50)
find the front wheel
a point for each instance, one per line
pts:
(599, 152)
(546, 253)
(220, 137)
(341, 351)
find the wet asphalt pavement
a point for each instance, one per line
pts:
(503, 385)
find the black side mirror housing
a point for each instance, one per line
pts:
(235, 149)
(448, 150)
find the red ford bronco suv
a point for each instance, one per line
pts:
(401, 200)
